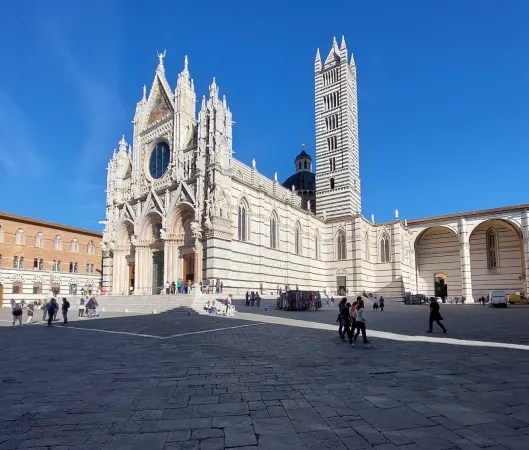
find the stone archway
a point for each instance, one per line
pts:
(122, 255)
(183, 255)
(437, 251)
(497, 258)
(150, 257)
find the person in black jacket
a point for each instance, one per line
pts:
(65, 308)
(435, 316)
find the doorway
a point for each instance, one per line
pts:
(341, 283)
(131, 279)
(441, 286)
(189, 268)
(157, 272)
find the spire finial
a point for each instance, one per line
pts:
(396, 214)
(185, 63)
(318, 57)
(302, 147)
(144, 93)
(342, 45)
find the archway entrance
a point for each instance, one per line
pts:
(157, 272)
(441, 285)
(189, 268)
(131, 278)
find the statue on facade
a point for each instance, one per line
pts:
(196, 229)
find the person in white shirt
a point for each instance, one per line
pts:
(229, 306)
(360, 317)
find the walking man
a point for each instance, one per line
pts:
(435, 316)
(65, 307)
(17, 314)
(31, 309)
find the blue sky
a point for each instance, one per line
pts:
(443, 94)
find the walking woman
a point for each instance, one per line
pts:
(360, 323)
(65, 308)
(435, 316)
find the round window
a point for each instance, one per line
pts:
(159, 160)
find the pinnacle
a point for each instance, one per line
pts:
(318, 57)
(343, 45)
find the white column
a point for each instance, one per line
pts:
(525, 237)
(357, 259)
(116, 282)
(466, 270)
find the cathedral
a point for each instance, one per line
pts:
(180, 206)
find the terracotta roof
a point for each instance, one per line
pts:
(57, 226)
(472, 213)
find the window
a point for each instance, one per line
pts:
(493, 262)
(39, 240)
(305, 165)
(159, 160)
(88, 268)
(71, 267)
(54, 266)
(15, 262)
(331, 100)
(21, 263)
(242, 223)
(74, 245)
(1, 235)
(91, 248)
(332, 143)
(57, 243)
(75, 268)
(384, 249)
(41, 264)
(297, 239)
(316, 245)
(58, 266)
(17, 287)
(341, 249)
(366, 246)
(35, 263)
(37, 288)
(331, 122)
(273, 231)
(332, 183)
(299, 165)
(332, 164)
(92, 269)
(330, 77)
(73, 289)
(20, 237)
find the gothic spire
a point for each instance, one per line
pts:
(213, 89)
(318, 57)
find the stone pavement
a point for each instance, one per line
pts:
(172, 384)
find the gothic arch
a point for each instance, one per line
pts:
(124, 233)
(179, 221)
(298, 238)
(384, 248)
(274, 230)
(150, 226)
(340, 244)
(243, 220)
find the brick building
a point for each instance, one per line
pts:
(39, 259)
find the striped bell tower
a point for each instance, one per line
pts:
(337, 160)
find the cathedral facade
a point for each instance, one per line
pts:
(180, 206)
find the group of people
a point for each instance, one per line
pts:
(50, 310)
(378, 303)
(212, 308)
(180, 287)
(252, 298)
(351, 318)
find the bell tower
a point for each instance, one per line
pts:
(337, 160)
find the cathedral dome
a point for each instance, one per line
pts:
(302, 181)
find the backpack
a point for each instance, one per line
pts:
(17, 311)
(49, 306)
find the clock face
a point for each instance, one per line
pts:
(159, 160)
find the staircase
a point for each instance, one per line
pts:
(149, 304)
